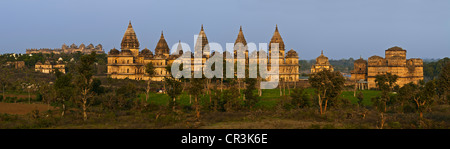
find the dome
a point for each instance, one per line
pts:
(396, 48)
(292, 53)
(114, 51)
(64, 46)
(146, 53)
(73, 46)
(126, 52)
(375, 57)
(90, 46)
(360, 60)
(322, 60)
(82, 46)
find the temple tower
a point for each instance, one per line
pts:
(130, 41)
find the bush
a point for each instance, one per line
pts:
(407, 108)
(7, 117)
(39, 97)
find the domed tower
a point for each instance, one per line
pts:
(130, 41)
(179, 50)
(90, 46)
(292, 57)
(114, 52)
(359, 70)
(322, 63)
(276, 38)
(64, 46)
(395, 52)
(201, 46)
(146, 53)
(162, 48)
(82, 46)
(73, 46)
(240, 45)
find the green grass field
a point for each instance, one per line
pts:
(268, 100)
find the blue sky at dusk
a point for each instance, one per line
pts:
(343, 29)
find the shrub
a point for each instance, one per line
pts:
(407, 108)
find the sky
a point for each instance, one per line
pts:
(342, 29)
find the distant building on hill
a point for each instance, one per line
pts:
(50, 66)
(15, 64)
(69, 49)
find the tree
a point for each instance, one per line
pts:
(300, 98)
(231, 96)
(328, 86)
(443, 83)
(250, 97)
(385, 83)
(46, 91)
(150, 70)
(85, 71)
(421, 95)
(174, 89)
(64, 90)
(360, 97)
(4, 76)
(125, 95)
(196, 90)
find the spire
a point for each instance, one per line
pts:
(161, 46)
(129, 40)
(321, 53)
(179, 48)
(201, 46)
(276, 38)
(240, 38)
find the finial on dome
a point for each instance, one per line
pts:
(321, 52)
(202, 27)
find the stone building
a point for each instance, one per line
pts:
(359, 70)
(69, 49)
(407, 70)
(359, 73)
(15, 64)
(130, 62)
(322, 63)
(50, 66)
